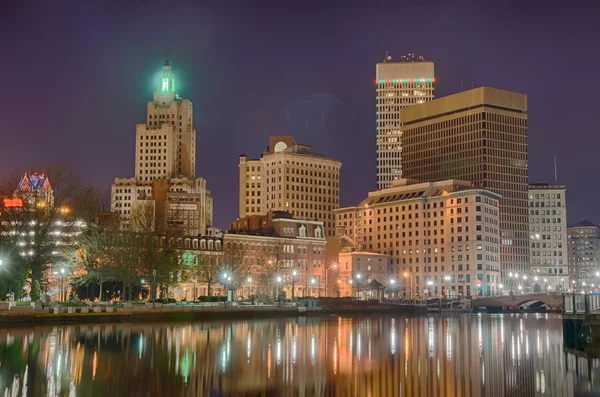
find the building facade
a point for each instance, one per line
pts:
(398, 85)
(442, 238)
(584, 255)
(279, 245)
(548, 237)
(165, 162)
(358, 268)
(290, 177)
(479, 135)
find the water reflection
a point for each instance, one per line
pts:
(379, 356)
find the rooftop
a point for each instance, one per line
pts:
(584, 223)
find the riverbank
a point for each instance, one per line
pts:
(192, 313)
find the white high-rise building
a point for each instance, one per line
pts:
(399, 84)
(548, 237)
(165, 162)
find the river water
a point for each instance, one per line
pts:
(464, 355)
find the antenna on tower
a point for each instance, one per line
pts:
(555, 172)
(387, 58)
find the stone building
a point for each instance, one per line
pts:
(289, 177)
(584, 255)
(441, 237)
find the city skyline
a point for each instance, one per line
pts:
(227, 76)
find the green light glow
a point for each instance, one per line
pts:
(165, 84)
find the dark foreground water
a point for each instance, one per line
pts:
(467, 355)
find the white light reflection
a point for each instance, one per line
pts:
(248, 347)
(72, 389)
(430, 337)
(358, 348)
(479, 335)
(527, 344)
(278, 350)
(449, 340)
(294, 349)
(223, 358)
(393, 337)
(312, 349)
(335, 356)
(502, 331)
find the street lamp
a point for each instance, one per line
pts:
(393, 284)
(249, 281)
(62, 282)
(358, 277)
(334, 266)
(153, 287)
(313, 281)
(406, 275)
(279, 279)
(294, 274)
(429, 284)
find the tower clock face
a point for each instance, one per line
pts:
(280, 147)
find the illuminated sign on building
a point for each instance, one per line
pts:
(13, 203)
(180, 206)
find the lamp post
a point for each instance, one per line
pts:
(447, 280)
(358, 277)
(279, 282)
(392, 284)
(294, 274)
(153, 287)
(313, 281)
(249, 281)
(407, 275)
(334, 266)
(429, 286)
(62, 282)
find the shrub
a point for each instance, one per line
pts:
(36, 291)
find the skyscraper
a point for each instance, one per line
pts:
(479, 135)
(399, 84)
(165, 162)
(288, 176)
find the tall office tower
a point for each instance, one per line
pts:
(548, 236)
(290, 177)
(166, 144)
(165, 162)
(584, 255)
(479, 135)
(399, 84)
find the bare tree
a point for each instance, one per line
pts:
(236, 263)
(207, 270)
(33, 227)
(279, 261)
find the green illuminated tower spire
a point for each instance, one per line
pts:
(168, 80)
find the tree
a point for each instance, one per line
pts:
(207, 270)
(279, 260)
(235, 262)
(36, 291)
(34, 227)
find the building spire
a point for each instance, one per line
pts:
(168, 80)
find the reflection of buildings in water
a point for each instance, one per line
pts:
(380, 356)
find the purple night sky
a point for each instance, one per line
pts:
(77, 76)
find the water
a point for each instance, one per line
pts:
(467, 355)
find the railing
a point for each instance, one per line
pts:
(574, 303)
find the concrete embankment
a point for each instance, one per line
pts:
(191, 313)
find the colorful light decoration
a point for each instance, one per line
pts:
(405, 81)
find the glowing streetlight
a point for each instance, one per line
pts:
(392, 281)
(249, 280)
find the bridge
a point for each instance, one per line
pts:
(552, 299)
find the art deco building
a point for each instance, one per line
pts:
(165, 162)
(584, 254)
(479, 135)
(548, 236)
(400, 84)
(290, 177)
(443, 235)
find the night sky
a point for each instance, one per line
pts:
(76, 76)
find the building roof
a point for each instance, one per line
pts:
(374, 284)
(584, 223)
(34, 182)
